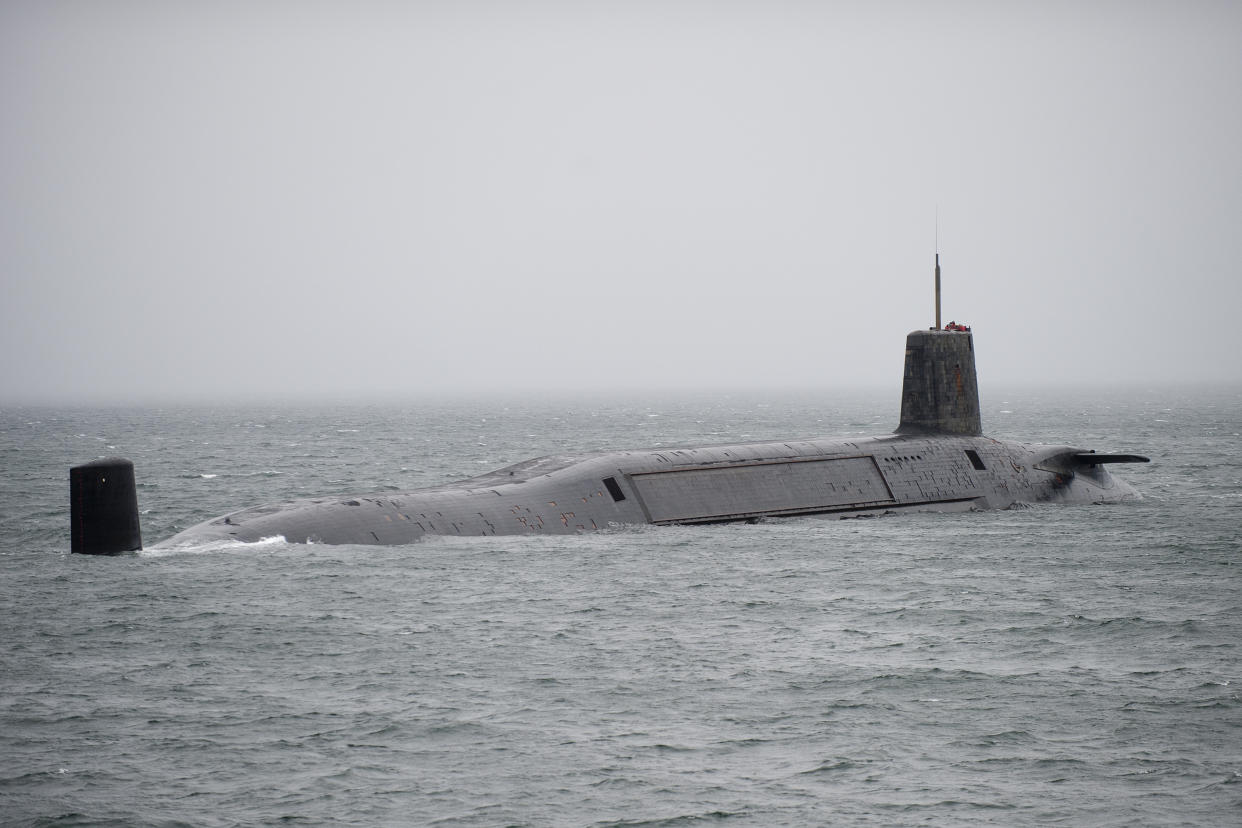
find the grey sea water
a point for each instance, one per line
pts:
(1049, 665)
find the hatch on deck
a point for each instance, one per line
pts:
(767, 488)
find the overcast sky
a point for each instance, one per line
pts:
(222, 200)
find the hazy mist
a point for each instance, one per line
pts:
(304, 200)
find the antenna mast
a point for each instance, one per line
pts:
(937, 291)
(937, 269)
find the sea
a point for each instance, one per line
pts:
(1042, 665)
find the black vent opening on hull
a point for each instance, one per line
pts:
(976, 460)
(610, 483)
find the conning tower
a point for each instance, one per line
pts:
(939, 391)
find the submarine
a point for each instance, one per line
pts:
(937, 460)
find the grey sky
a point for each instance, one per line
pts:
(235, 199)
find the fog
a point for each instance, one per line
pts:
(209, 201)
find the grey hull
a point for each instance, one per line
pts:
(561, 494)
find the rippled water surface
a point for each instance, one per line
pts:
(1049, 665)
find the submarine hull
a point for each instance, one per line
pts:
(568, 494)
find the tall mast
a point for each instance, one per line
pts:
(937, 290)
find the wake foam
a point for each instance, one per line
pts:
(163, 549)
